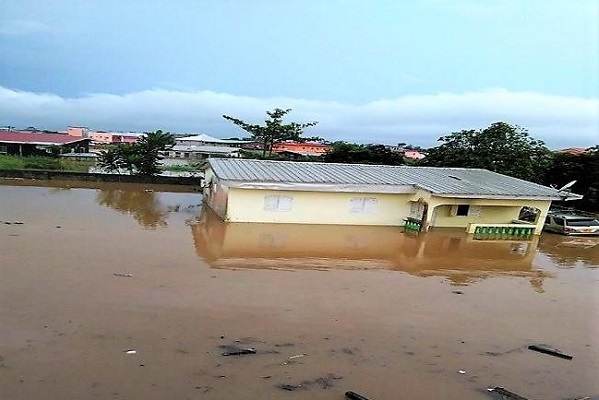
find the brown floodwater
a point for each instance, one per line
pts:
(131, 292)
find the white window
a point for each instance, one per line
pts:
(362, 204)
(278, 203)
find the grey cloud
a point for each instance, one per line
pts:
(560, 121)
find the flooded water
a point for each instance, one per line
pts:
(131, 292)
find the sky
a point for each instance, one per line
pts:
(379, 71)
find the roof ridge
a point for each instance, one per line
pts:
(348, 164)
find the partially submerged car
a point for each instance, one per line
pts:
(571, 224)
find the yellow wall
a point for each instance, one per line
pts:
(247, 205)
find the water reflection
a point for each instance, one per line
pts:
(141, 204)
(568, 251)
(150, 209)
(448, 253)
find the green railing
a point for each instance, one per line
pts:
(501, 231)
(412, 225)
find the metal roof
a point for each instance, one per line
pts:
(208, 139)
(42, 139)
(450, 182)
(205, 149)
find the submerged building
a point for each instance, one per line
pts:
(265, 191)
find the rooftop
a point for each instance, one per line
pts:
(43, 139)
(208, 139)
(448, 182)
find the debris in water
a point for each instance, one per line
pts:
(296, 356)
(457, 292)
(287, 387)
(324, 382)
(240, 352)
(461, 371)
(505, 394)
(123, 275)
(131, 351)
(355, 396)
(548, 350)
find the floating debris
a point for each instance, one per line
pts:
(131, 351)
(324, 382)
(296, 356)
(239, 351)
(548, 350)
(355, 396)
(123, 275)
(505, 394)
(287, 387)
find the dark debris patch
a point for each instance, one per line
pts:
(233, 350)
(322, 382)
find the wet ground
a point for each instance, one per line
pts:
(120, 292)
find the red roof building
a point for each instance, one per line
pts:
(27, 143)
(304, 148)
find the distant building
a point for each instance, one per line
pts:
(28, 143)
(407, 152)
(100, 137)
(198, 147)
(80, 131)
(413, 154)
(302, 148)
(103, 137)
(574, 151)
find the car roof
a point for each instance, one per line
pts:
(572, 216)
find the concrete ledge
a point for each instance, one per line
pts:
(57, 175)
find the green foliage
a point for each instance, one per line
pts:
(584, 169)
(147, 151)
(501, 147)
(351, 153)
(41, 162)
(142, 158)
(274, 130)
(112, 160)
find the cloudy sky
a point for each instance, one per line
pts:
(369, 71)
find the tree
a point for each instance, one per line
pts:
(111, 160)
(148, 150)
(274, 130)
(582, 168)
(142, 157)
(503, 148)
(352, 153)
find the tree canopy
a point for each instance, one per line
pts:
(352, 153)
(501, 147)
(274, 130)
(142, 158)
(584, 169)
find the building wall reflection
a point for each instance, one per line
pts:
(445, 252)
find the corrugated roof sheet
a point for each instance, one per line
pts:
(442, 181)
(208, 139)
(38, 138)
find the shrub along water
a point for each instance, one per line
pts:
(41, 162)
